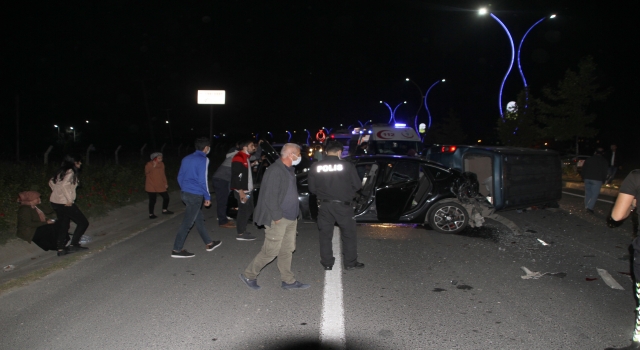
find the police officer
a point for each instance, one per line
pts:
(335, 183)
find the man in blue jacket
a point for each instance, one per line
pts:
(192, 179)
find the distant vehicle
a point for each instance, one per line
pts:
(401, 189)
(344, 137)
(395, 139)
(510, 177)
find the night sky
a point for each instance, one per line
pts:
(290, 65)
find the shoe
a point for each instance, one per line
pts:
(64, 252)
(213, 245)
(76, 247)
(167, 212)
(634, 345)
(182, 254)
(295, 285)
(245, 237)
(358, 265)
(328, 267)
(252, 284)
(229, 224)
(590, 211)
(152, 216)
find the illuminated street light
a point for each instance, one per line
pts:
(87, 121)
(415, 121)
(524, 81)
(425, 100)
(74, 133)
(484, 11)
(392, 120)
(166, 122)
(57, 127)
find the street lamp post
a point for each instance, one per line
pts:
(425, 100)
(524, 81)
(484, 11)
(57, 127)
(392, 120)
(415, 121)
(74, 133)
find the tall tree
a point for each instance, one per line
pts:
(567, 113)
(448, 132)
(520, 127)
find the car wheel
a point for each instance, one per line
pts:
(448, 217)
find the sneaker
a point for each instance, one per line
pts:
(245, 237)
(152, 216)
(76, 247)
(182, 254)
(228, 225)
(295, 285)
(358, 265)
(167, 212)
(590, 211)
(213, 245)
(252, 284)
(64, 252)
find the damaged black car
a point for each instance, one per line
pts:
(401, 189)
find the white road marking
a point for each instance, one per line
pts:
(332, 333)
(579, 195)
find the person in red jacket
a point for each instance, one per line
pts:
(242, 185)
(156, 183)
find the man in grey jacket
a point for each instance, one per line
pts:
(277, 210)
(594, 173)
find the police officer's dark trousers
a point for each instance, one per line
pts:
(328, 214)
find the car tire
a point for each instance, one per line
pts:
(448, 217)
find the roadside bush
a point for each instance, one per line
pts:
(102, 187)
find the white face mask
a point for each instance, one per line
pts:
(297, 161)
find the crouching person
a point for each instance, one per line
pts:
(33, 224)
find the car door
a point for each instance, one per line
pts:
(368, 173)
(396, 192)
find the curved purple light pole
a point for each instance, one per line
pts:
(425, 100)
(289, 132)
(308, 136)
(513, 52)
(524, 81)
(390, 111)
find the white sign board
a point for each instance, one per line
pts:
(211, 97)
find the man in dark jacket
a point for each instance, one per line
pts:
(242, 186)
(335, 183)
(277, 210)
(594, 173)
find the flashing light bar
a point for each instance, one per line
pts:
(400, 125)
(448, 149)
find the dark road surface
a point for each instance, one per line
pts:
(420, 290)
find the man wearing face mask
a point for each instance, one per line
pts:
(192, 178)
(277, 210)
(242, 186)
(335, 183)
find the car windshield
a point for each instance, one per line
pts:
(397, 147)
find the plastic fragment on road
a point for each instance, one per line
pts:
(530, 274)
(8, 268)
(543, 242)
(534, 275)
(610, 281)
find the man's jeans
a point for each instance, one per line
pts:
(244, 212)
(221, 187)
(192, 215)
(591, 192)
(279, 241)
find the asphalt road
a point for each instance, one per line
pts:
(420, 290)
